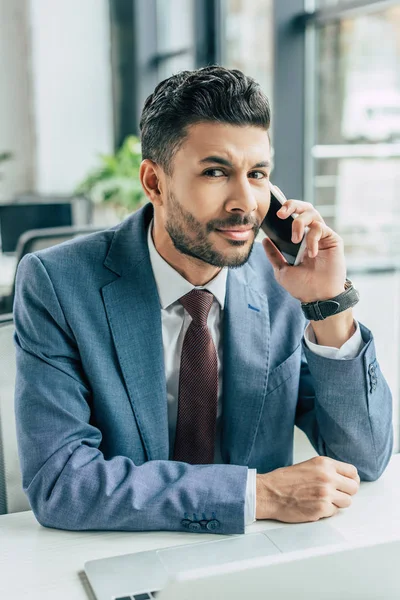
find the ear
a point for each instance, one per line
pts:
(150, 180)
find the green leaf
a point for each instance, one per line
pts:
(116, 179)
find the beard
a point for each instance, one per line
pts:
(191, 237)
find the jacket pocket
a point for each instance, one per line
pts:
(286, 369)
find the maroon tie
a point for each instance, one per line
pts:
(198, 385)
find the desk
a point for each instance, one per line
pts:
(43, 564)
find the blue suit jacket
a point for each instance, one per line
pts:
(91, 404)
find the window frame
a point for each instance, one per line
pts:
(135, 56)
(293, 121)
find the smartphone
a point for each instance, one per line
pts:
(280, 230)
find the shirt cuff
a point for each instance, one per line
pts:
(349, 350)
(250, 502)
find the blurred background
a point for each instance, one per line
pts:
(74, 76)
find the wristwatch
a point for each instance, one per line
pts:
(320, 310)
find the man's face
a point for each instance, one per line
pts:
(218, 193)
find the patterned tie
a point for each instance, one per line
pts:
(198, 385)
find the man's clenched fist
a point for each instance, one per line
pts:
(308, 491)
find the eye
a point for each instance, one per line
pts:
(214, 173)
(258, 174)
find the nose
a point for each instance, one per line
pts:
(242, 197)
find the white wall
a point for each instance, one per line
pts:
(55, 92)
(16, 125)
(71, 74)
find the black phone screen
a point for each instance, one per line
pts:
(280, 231)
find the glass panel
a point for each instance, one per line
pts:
(359, 198)
(247, 40)
(175, 31)
(331, 3)
(357, 165)
(358, 120)
(359, 79)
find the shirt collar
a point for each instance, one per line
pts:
(171, 285)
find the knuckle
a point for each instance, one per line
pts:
(323, 477)
(323, 464)
(317, 225)
(322, 508)
(323, 491)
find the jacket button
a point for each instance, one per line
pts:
(213, 525)
(372, 369)
(203, 523)
(194, 526)
(185, 523)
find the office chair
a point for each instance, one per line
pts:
(38, 239)
(6, 319)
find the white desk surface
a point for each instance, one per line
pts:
(40, 564)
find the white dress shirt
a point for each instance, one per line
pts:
(175, 321)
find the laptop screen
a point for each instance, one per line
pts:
(17, 218)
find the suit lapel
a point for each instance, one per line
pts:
(133, 309)
(245, 364)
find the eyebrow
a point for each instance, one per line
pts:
(226, 163)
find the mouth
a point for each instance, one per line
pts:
(236, 233)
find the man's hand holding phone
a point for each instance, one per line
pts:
(322, 272)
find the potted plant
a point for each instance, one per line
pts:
(116, 180)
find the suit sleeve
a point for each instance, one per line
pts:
(69, 483)
(345, 408)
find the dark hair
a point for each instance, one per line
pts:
(212, 93)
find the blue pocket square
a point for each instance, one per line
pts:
(253, 308)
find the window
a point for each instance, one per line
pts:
(246, 35)
(150, 41)
(357, 149)
(175, 36)
(353, 156)
(333, 3)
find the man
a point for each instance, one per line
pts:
(161, 364)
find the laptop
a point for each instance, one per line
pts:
(363, 572)
(143, 575)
